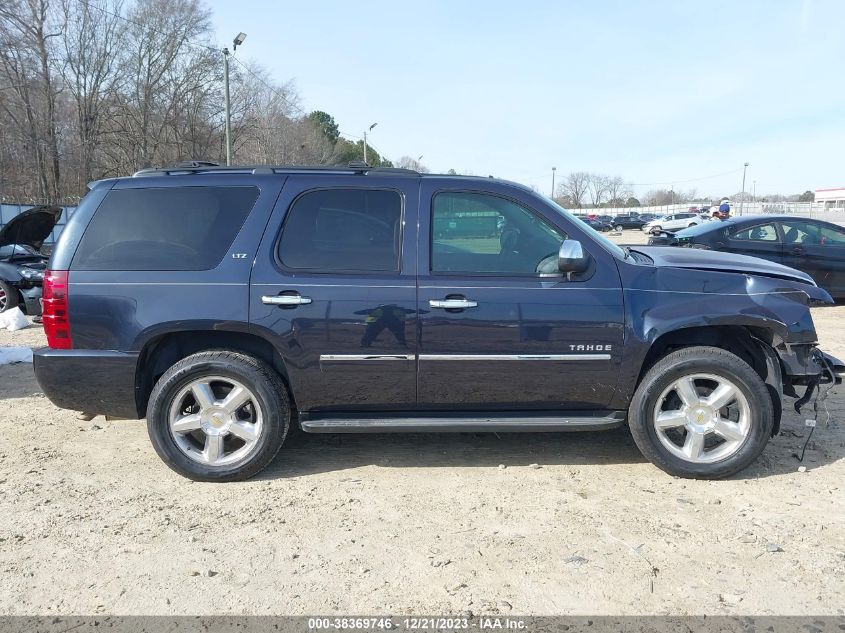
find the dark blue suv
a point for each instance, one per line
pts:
(226, 304)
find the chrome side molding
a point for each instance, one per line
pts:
(553, 357)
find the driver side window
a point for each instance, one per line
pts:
(483, 233)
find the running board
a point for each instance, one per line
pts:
(446, 424)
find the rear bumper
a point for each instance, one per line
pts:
(92, 381)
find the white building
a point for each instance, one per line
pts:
(832, 198)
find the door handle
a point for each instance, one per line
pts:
(797, 251)
(452, 304)
(285, 300)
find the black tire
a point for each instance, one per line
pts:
(692, 360)
(257, 376)
(655, 230)
(9, 297)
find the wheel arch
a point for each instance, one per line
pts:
(752, 344)
(165, 350)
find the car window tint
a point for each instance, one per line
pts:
(482, 233)
(758, 233)
(832, 236)
(343, 230)
(800, 232)
(166, 228)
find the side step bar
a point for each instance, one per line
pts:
(449, 424)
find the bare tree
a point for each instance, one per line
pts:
(597, 188)
(26, 29)
(617, 191)
(406, 162)
(574, 187)
(92, 33)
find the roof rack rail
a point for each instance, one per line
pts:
(198, 167)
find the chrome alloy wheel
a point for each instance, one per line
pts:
(215, 421)
(702, 418)
(3, 300)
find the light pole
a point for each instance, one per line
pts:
(742, 193)
(553, 182)
(365, 140)
(239, 39)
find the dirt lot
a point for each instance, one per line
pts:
(92, 522)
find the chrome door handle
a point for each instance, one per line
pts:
(452, 304)
(285, 300)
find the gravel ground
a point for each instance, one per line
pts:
(92, 522)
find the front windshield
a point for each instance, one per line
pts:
(610, 246)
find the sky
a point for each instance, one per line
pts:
(662, 93)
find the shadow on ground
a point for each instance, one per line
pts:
(306, 454)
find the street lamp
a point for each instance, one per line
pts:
(239, 39)
(365, 140)
(742, 193)
(553, 182)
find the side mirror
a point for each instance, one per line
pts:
(571, 258)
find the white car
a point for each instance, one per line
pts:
(673, 222)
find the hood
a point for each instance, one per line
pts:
(701, 259)
(31, 227)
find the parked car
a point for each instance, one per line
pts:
(648, 217)
(812, 246)
(672, 222)
(22, 264)
(598, 225)
(226, 304)
(627, 222)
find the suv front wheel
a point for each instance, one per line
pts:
(701, 412)
(218, 416)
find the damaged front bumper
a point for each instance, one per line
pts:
(803, 364)
(808, 366)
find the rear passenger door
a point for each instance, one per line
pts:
(818, 250)
(334, 293)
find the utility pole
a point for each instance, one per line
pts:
(553, 182)
(228, 124)
(227, 107)
(365, 140)
(742, 193)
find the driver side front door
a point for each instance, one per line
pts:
(496, 334)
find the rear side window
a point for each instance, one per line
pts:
(172, 228)
(343, 230)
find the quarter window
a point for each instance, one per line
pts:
(343, 230)
(759, 233)
(165, 228)
(482, 233)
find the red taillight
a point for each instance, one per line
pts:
(54, 309)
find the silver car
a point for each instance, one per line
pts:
(673, 222)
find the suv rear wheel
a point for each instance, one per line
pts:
(218, 416)
(701, 412)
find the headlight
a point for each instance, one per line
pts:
(30, 274)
